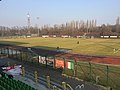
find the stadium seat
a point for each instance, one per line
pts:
(7, 83)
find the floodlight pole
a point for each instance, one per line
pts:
(28, 22)
(37, 26)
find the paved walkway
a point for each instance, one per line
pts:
(30, 82)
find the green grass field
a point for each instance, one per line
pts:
(102, 47)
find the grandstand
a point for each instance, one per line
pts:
(7, 83)
(82, 68)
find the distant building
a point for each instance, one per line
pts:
(45, 36)
(79, 36)
(34, 35)
(65, 36)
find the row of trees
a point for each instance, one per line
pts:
(73, 28)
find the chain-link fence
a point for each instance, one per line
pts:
(106, 75)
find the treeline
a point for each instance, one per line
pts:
(73, 29)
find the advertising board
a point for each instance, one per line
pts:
(42, 60)
(59, 63)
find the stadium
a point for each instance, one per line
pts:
(59, 45)
(69, 67)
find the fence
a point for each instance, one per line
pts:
(105, 75)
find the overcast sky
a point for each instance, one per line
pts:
(14, 12)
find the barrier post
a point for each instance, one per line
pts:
(64, 69)
(97, 79)
(54, 88)
(21, 55)
(48, 82)
(0, 51)
(45, 61)
(38, 59)
(75, 68)
(107, 75)
(23, 71)
(36, 76)
(7, 52)
(16, 54)
(54, 63)
(4, 51)
(90, 73)
(12, 52)
(109, 88)
(64, 85)
(26, 56)
(8, 63)
(15, 64)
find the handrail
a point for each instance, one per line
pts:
(42, 80)
(70, 86)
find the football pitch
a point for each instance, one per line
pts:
(100, 47)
